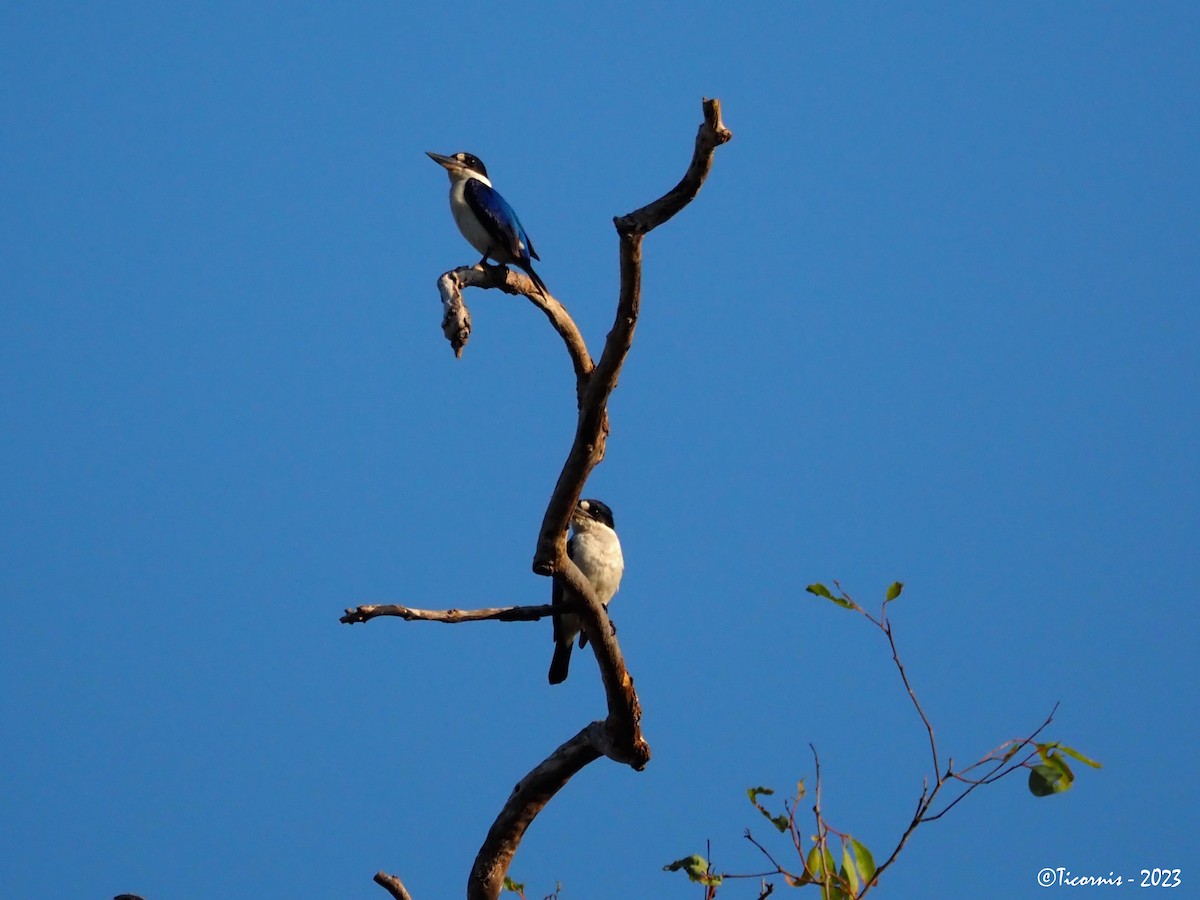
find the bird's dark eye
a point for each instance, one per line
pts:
(472, 162)
(596, 511)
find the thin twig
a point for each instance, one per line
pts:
(763, 850)
(887, 630)
(996, 777)
(822, 829)
(922, 806)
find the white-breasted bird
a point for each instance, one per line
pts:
(485, 219)
(595, 549)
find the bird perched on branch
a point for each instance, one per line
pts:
(485, 219)
(594, 548)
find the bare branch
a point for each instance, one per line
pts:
(886, 625)
(456, 318)
(711, 135)
(528, 798)
(922, 806)
(929, 797)
(619, 735)
(821, 838)
(450, 616)
(624, 709)
(392, 885)
(591, 433)
(998, 772)
(779, 870)
(926, 801)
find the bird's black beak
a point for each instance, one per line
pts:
(446, 161)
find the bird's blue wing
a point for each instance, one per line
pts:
(499, 219)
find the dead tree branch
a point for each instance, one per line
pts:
(591, 433)
(456, 322)
(528, 798)
(392, 885)
(358, 614)
(618, 736)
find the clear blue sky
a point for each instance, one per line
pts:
(933, 318)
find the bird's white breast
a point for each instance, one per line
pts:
(599, 559)
(466, 220)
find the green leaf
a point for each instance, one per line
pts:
(893, 591)
(1075, 754)
(863, 861)
(1045, 780)
(695, 866)
(820, 865)
(821, 591)
(756, 792)
(515, 887)
(1055, 761)
(781, 822)
(1047, 751)
(848, 872)
(813, 864)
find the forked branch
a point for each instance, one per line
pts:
(591, 433)
(619, 735)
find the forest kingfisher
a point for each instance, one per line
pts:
(485, 219)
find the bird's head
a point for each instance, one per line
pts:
(461, 165)
(589, 511)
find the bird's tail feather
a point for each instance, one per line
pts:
(541, 285)
(561, 662)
